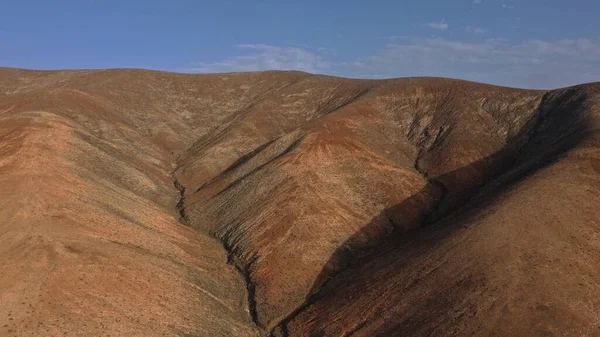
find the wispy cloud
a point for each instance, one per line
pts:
(562, 62)
(255, 57)
(475, 30)
(531, 63)
(476, 2)
(442, 25)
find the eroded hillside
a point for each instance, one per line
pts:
(145, 203)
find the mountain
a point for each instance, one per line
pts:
(145, 203)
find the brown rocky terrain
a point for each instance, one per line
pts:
(143, 203)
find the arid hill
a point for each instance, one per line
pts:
(143, 203)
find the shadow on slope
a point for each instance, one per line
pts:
(560, 124)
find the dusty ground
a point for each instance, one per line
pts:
(145, 203)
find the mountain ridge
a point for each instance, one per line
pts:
(298, 176)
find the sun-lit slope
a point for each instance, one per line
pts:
(85, 249)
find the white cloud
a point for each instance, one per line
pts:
(505, 6)
(476, 2)
(442, 25)
(475, 30)
(256, 57)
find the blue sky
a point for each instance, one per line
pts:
(522, 43)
